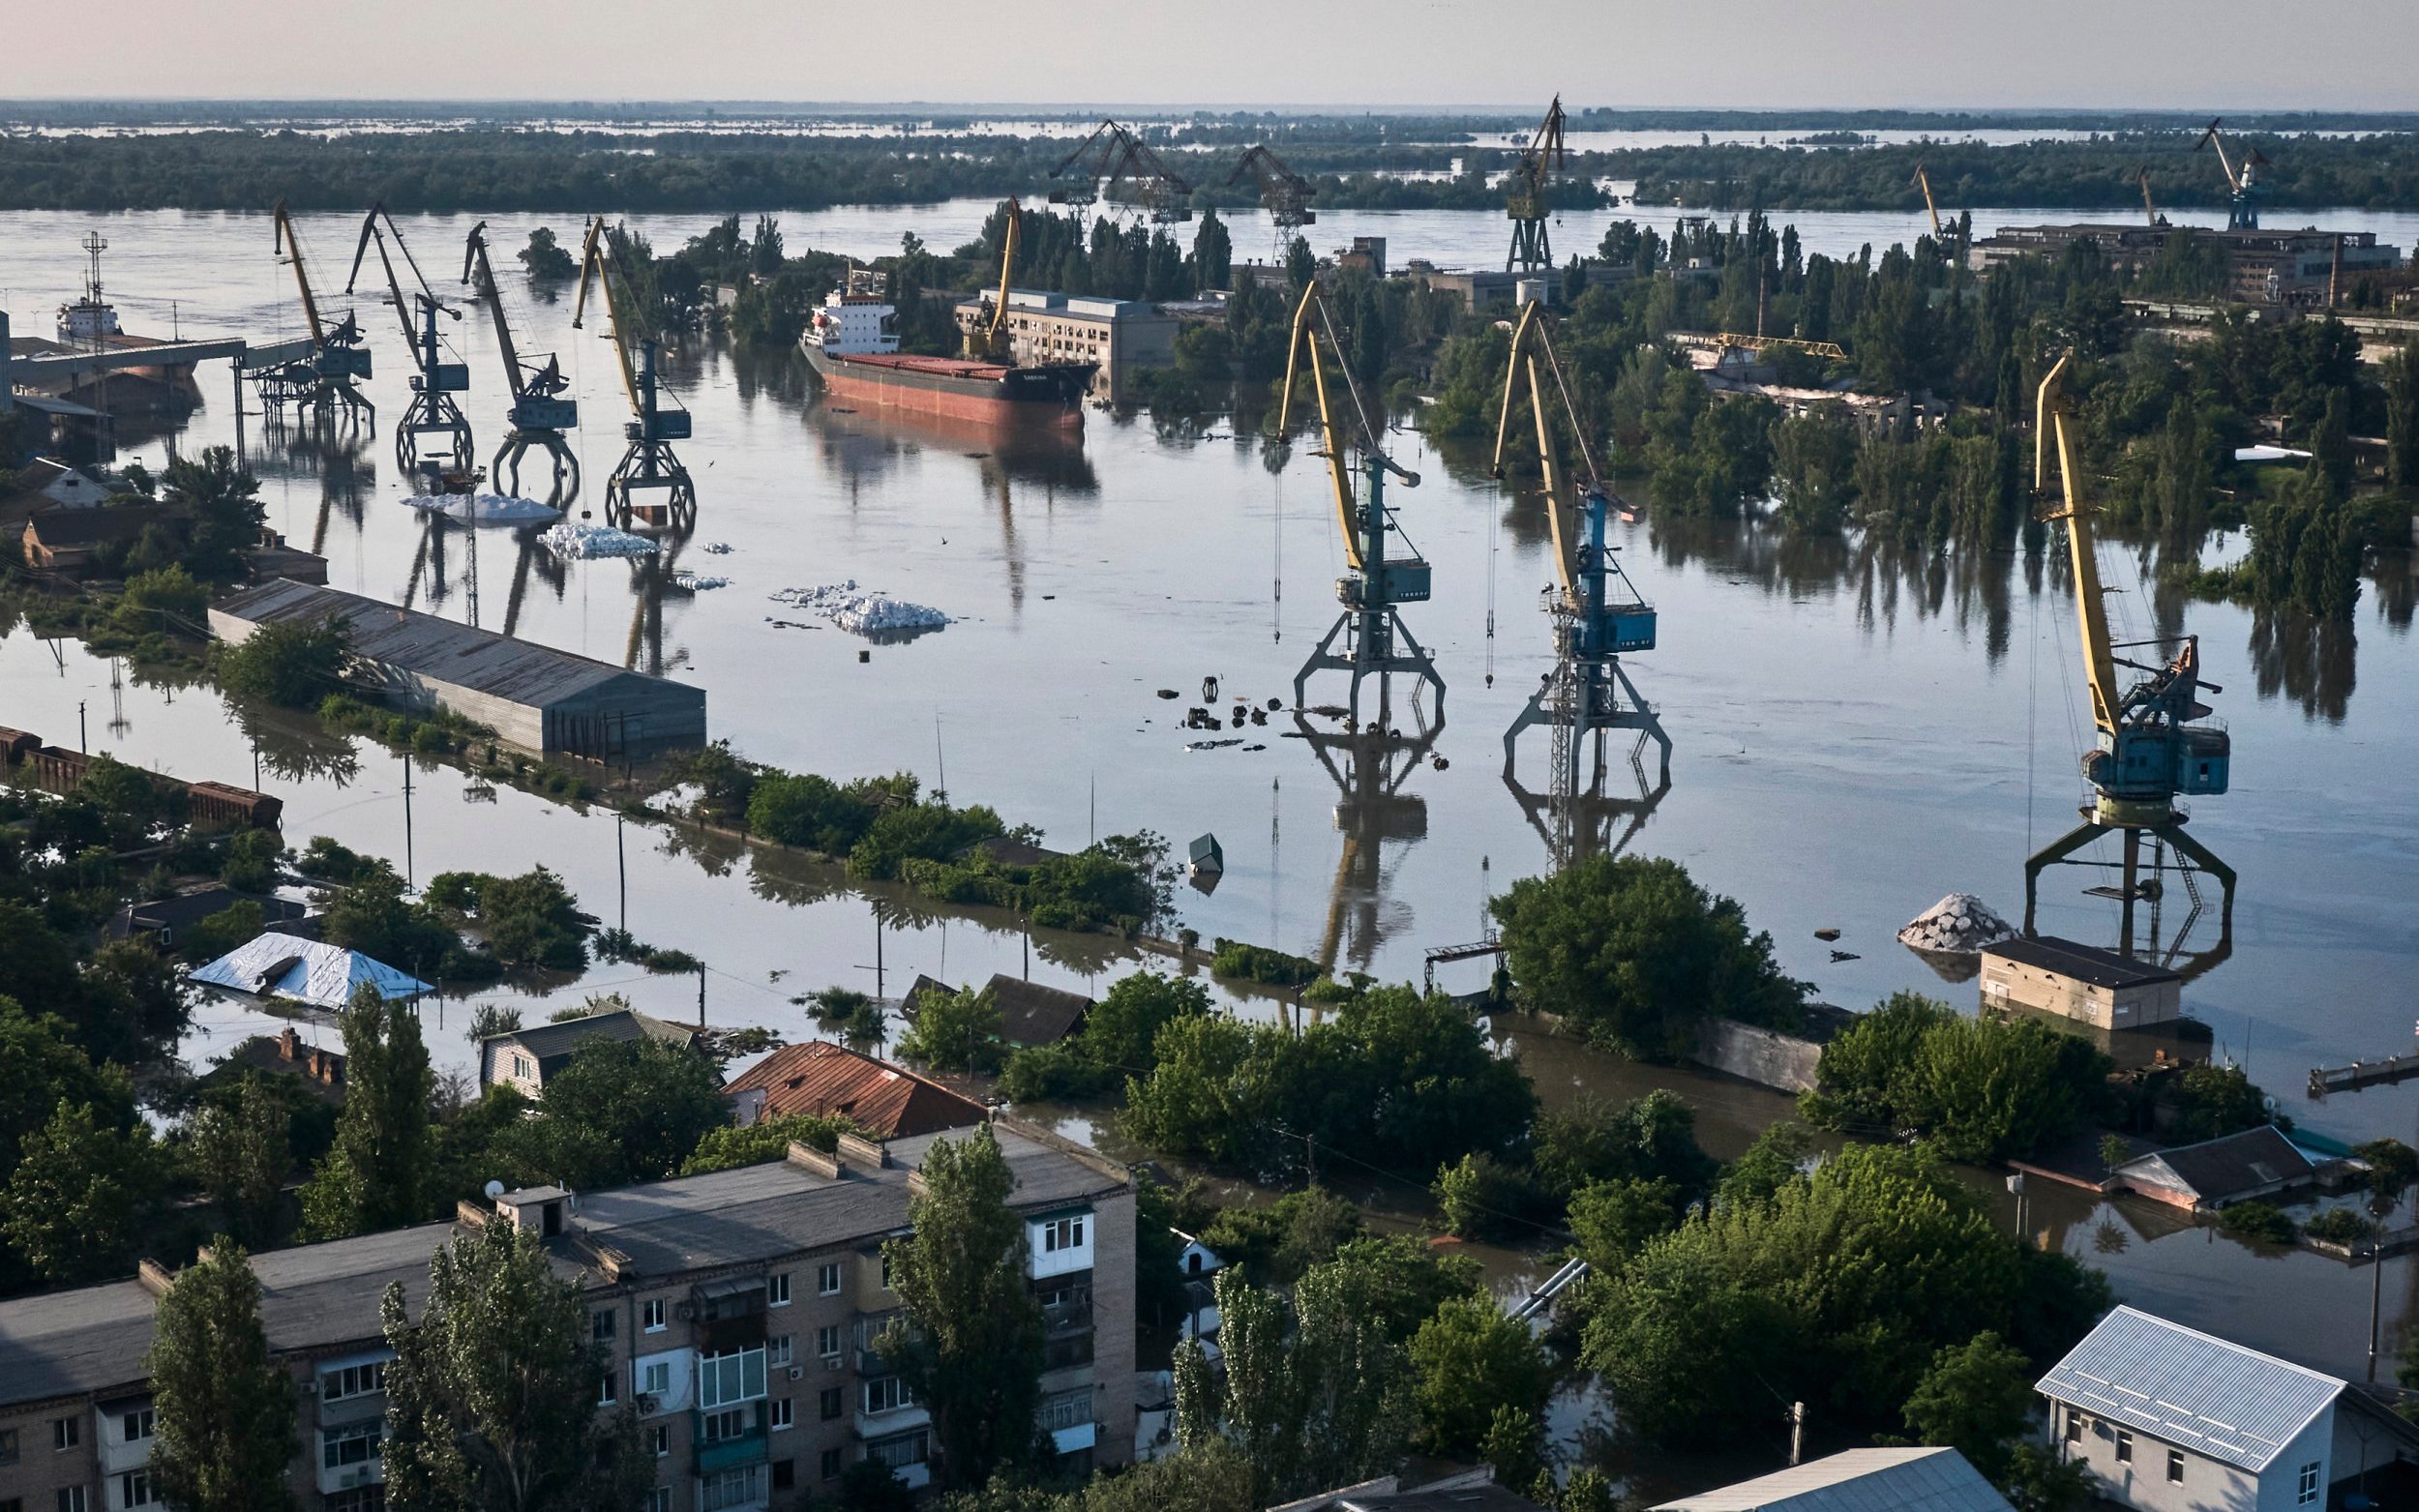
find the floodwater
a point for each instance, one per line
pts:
(1858, 731)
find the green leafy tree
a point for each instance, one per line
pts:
(376, 1177)
(732, 1144)
(221, 499)
(1977, 1398)
(1474, 1360)
(1982, 1088)
(287, 662)
(75, 1201)
(2210, 1101)
(1639, 954)
(1481, 1198)
(47, 1068)
(959, 1032)
(2402, 417)
(1614, 1220)
(491, 1396)
(226, 1410)
(971, 1346)
(1213, 253)
(1777, 1157)
(546, 258)
(621, 1110)
(242, 1147)
(1277, 1243)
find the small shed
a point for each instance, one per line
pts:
(2234, 1167)
(2080, 981)
(1196, 1258)
(62, 539)
(1030, 1013)
(305, 971)
(533, 696)
(528, 1058)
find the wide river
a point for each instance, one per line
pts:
(1857, 733)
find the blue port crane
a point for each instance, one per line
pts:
(1376, 640)
(432, 415)
(650, 486)
(2152, 746)
(542, 408)
(1598, 613)
(324, 382)
(2242, 184)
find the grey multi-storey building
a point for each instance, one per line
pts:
(739, 1309)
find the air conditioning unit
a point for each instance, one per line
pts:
(798, 1372)
(831, 1362)
(684, 1310)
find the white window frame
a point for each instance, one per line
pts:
(659, 1498)
(829, 1279)
(781, 1414)
(2175, 1467)
(140, 1424)
(777, 1351)
(2125, 1446)
(346, 1381)
(2307, 1491)
(334, 1441)
(777, 1289)
(662, 1441)
(134, 1487)
(651, 1311)
(1064, 1232)
(655, 1378)
(827, 1341)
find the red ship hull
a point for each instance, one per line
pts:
(986, 391)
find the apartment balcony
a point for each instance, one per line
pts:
(749, 1448)
(1059, 1320)
(729, 1335)
(897, 1420)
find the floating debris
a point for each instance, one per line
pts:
(1170, 692)
(1827, 933)
(861, 612)
(486, 509)
(1844, 955)
(1213, 744)
(716, 549)
(1958, 925)
(697, 584)
(575, 542)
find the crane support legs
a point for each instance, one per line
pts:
(433, 418)
(505, 469)
(2172, 832)
(1606, 712)
(1371, 637)
(650, 490)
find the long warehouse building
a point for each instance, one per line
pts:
(533, 696)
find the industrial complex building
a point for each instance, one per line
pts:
(741, 1311)
(2267, 267)
(1123, 335)
(2081, 982)
(533, 696)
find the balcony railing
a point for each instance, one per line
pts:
(1065, 1318)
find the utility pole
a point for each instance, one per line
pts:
(1797, 1432)
(2376, 1287)
(700, 994)
(621, 867)
(83, 741)
(408, 868)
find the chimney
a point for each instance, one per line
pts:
(289, 1045)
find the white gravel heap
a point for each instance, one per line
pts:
(1958, 925)
(861, 612)
(697, 584)
(575, 542)
(491, 509)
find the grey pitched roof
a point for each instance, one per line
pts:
(1030, 1013)
(546, 1041)
(2083, 963)
(2215, 1170)
(322, 1297)
(521, 672)
(1859, 1480)
(2201, 1393)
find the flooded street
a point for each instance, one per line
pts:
(1857, 733)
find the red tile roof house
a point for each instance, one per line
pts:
(819, 1077)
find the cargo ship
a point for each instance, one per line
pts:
(852, 342)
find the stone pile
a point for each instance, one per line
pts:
(862, 612)
(1958, 925)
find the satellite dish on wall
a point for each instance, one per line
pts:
(493, 1190)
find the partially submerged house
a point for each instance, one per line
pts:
(159, 920)
(526, 1058)
(820, 1077)
(1030, 1013)
(2214, 1174)
(311, 971)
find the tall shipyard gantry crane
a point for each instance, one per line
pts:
(2151, 746)
(432, 413)
(1283, 193)
(2242, 206)
(541, 408)
(651, 486)
(1598, 613)
(1376, 640)
(1526, 206)
(322, 383)
(1112, 155)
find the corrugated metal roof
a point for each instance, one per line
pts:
(2083, 963)
(546, 1041)
(307, 970)
(819, 1077)
(2201, 1393)
(1859, 1480)
(503, 667)
(2218, 1170)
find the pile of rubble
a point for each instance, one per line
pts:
(863, 613)
(575, 542)
(1958, 925)
(487, 509)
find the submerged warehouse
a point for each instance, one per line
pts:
(533, 696)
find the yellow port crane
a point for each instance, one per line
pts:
(650, 487)
(2150, 212)
(1376, 640)
(1924, 181)
(1598, 613)
(987, 339)
(1526, 206)
(2242, 184)
(323, 383)
(2151, 746)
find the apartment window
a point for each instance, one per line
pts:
(2175, 1467)
(605, 1391)
(361, 1498)
(652, 1313)
(658, 1500)
(2306, 1492)
(829, 1466)
(601, 1324)
(784, 1475)
(733, 1488)
(1062, 1234)
(70, 1499)
(726, 1424)
(2125, 1446)
(523, 1070)
(885, 1271)
(727, 1378)
(656, 1378)
(2074, 1426)
(781, 1414)
(139, 1424)
(777, 1289)
(885, 1394)
(827, 1341)
(361, 1381)
(777, 1351)
(1065, 1409)
(827, 1278)
(66, 1433)
(899, 1453)
(831, 1402)
(662, 1441)
(7, 1453)
(134, 1489)
(354, 1443)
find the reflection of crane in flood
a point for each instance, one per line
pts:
(653, 578)
(1370, 771)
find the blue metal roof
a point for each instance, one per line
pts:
(2190, 1389)
(1859, 1480)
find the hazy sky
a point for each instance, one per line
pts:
(2193, 55)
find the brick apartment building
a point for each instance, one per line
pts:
(740, 1308)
